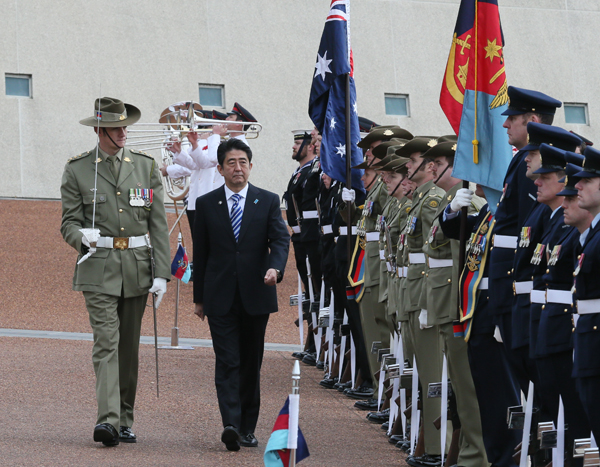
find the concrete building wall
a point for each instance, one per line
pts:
(152, 54)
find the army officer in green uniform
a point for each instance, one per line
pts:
(114, 269)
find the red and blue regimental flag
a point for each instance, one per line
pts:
(475, 93)
(277, 453)
(180, 267)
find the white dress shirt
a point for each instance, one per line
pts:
(228, 194)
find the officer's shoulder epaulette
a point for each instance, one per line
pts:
(141, 153)
(80, 156)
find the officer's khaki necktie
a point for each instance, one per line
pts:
(114, 166)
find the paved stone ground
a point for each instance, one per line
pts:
(47, 405)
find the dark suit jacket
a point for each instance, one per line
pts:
(221, 265)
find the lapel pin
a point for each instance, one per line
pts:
(220, 202)
(255, 201)
(139, 184)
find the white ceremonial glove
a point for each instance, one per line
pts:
(423, 319)
(463, 198)
(348, 195)
(89, 239)
(159, 287)
(498, 335)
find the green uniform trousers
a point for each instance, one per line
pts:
(373, 317)
(116, 323)
(426, 344)
(471, 447)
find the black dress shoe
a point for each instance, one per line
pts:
(249, 441)
(310, 359)
(328, 383)
(385, 426)
(424, 461)
(369, 404)
(106, 434)
(361, 392)
(231, 438)
(126, 435)
(320, 365)
(342, 386)
(395, 439)
(379, 417)
(299, 355)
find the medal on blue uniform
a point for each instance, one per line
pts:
(554, 255)
(525, 237)
(536, 258)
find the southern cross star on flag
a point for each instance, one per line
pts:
(327, 104)
(474, 95)
(180, 267)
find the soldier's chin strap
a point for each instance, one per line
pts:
(442, 174)
(112, 140)
(418, 168)
(368, 187)
(397, 186)
(304, 140)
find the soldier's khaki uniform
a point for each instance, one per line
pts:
(115, 282)
(372, 312)
(400, 281)
(440, 298)
(425, 202)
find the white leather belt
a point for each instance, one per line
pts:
(522, 287)
(382, 255)
(402, 271)
(588, 307)
(327, 229)
(505, 241)
(564, 297)
(310, 214)
(372, 236)
(484, 284)
(416, 258)
(439, 263)
(344, 230)
(123, 243)
(538, 296)
(296, 229)
(389, 266)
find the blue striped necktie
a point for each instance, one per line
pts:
(236, 215)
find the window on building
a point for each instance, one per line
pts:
(576, 114)
(212, 95)
(18, 85)
(396, 104)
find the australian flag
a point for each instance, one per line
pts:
(327, 105)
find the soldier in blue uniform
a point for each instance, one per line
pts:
(517, 199)
(551, 298)
(586, 366)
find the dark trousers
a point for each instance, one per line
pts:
(589, 390)
(238, 342)
(496, 391)
(556, 381)
(302, 250)
(191, 215)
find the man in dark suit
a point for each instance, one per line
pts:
(241, 247)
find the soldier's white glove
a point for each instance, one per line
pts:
(348, 195)
(423, 319)
(89, 239)
(159, 287)
(463, 198)
(498, 335)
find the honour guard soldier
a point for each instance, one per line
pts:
(551, 298)
(586, 365)
(372, 313)
(425, 202)
(440, 298)
(118, 221)
(518, 197)
(302, 217)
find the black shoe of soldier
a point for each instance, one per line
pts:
(310, 359)
(424, 461)
(343, 386)
(369, 404)
(126, 435)
(379, 417)
(328, 383)
(106, 434)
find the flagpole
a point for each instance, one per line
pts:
(348, 166)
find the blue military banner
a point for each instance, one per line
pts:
(474, 95)
(327, 104)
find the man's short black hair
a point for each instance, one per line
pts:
(230, 145)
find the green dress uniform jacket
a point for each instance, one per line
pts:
(112, 271)
(368, 222)
(402, 260)
(439, 295)
(389, 211)
(426, 200)
(392, 276)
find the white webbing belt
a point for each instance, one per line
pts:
(588, 307)
(440, 263)
(538, 296)
(523, 287)
(564, 297)
(416, 258)
(133, 242)
(505, 241)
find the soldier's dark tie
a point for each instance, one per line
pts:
(236, 215)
